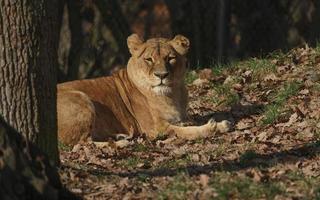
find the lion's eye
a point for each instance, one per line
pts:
(171, 58)
(149, 60)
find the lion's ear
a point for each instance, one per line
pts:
(134, 42)
(181, 44)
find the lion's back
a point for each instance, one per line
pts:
(111, 112)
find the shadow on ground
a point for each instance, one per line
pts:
(235, 114)
(247, 160)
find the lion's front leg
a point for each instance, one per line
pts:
(194, 132)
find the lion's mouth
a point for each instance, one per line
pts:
(162, 89)
(163, 83)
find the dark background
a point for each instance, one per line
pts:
(93, 34)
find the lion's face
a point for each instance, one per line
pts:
(158, 64)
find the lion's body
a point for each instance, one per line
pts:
(131, 101)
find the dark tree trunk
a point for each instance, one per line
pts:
(114, 19)
(223, 30)
(25, 173)
(76, 38)
(29, 33)
(197, 21)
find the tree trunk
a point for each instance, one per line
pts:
(114, 19)
(29, 33)
(223, 30)
(196, 20)
(76, 38)
(25, 173)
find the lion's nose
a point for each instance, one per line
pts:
(161, 75)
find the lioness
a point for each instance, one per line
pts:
(149, 96)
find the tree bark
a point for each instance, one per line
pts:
(223, 30)
(114, 19)
(76, 38)
(29, 33)
(25, 173)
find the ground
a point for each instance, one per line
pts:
(272, 153)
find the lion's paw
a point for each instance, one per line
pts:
(224, 126)
(211, 125)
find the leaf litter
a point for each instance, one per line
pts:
(272, 153)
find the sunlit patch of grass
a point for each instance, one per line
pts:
(305, 185)
(176, 162)
(133, 162)
(228, 186)
(259, 67)
(289, 90)
(218, 69)
(316, 87)
(64, 147)
(200, 140)
(271, 114)
(219, 151)
(161, 136)
(274, 110)
(317, 135)
(278, 54)
(317, 48)
(226, 95)
(176, 188)
(140, 147)
(190, 77)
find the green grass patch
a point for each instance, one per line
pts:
(271, 114)
(177, 188)
(277, 54)
(316, 87)
(133, 162)
(140, 148)
(259, 67)
(274, 110)
(143, 178)
(190, 77)
(247, 157)
(161, 136)
(232, 187)
(218, 69)
(317, 48)
(64, 147)
(226, 95)
(176, 162)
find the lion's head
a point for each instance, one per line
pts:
(159, 64)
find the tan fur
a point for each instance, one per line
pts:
(149, 97)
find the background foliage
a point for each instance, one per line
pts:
(93, 33)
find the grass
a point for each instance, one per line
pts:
(190, 77)
(219, 151)
(217, 69)
(259, 67)
(228, 186)
(226, 95)
(247, 157)
(177, 188)
(64, 147)
(140, 148)
(133, 162)
(176, 162)
(274, 110)
(317, 48)
(161, 136)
